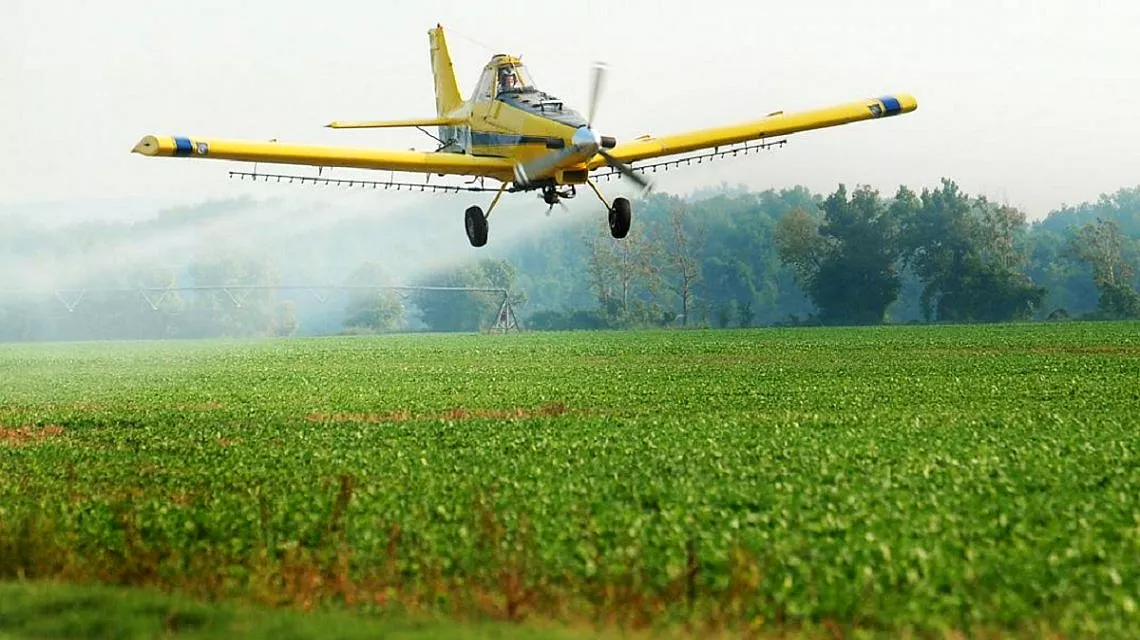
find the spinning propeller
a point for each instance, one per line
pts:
(584, 143)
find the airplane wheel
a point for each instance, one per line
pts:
(476, 224)
(620, 216)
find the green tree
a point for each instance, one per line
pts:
(241, 301)
(1068, 282)
(21, 316)
(1101, 245)
(684, 267)
(459, 310)
(126, 301)
(722, 314)
(744, 313)
(626, 276)
(848, 263)
(372, 308)
(1121, 207)
(801, 246)
(963, 251)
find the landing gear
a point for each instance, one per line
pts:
(476, 224)
(552, 196)
(620, 217)
(475, 221)
(621, 214)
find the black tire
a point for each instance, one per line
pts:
(476, 224)
(620, 217)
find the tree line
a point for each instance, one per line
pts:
(850, 257)
(721, 259)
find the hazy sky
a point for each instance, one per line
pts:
(1032, 102)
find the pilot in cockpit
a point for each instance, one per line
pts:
(508, 81)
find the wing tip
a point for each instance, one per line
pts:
(148, 146)
(893, 104)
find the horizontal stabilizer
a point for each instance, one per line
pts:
(380, 124)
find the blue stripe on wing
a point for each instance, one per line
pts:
(182, 146)
(891, 104)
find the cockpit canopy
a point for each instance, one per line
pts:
(504, 74)
(506, 79)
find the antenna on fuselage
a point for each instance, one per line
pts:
(472, 40)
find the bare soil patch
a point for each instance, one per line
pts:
(548, 410)
(28, 434)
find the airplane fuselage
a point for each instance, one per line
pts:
(517, 123)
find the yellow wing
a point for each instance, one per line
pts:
(272, 152)
(777, 124)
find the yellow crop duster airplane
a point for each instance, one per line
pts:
(510, 131)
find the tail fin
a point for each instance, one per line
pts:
(447, 96)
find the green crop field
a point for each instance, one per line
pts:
(888, 481)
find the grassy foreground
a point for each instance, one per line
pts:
(40, 610)
(923, 480)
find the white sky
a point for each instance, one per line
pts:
(1032, 102)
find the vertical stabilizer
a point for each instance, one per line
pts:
(447, 97)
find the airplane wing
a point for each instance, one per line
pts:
(442, 121)
(776, 124)
(357, 158)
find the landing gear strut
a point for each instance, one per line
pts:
(621, 214)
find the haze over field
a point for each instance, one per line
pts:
(1033, 103)
(1027, 104)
